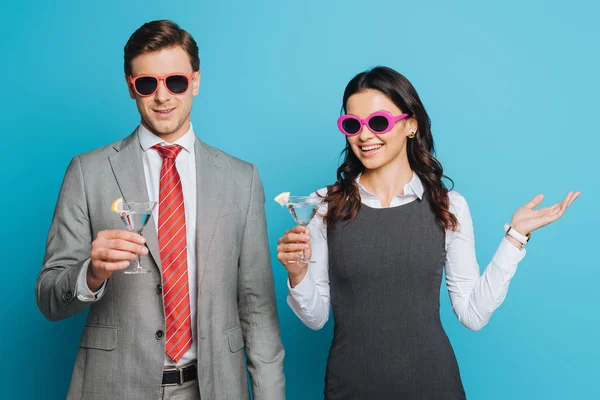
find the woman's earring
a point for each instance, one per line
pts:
(411, 135)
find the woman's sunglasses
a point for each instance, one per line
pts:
(379, 123)
(147, 85)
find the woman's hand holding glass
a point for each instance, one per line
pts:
(289, 248)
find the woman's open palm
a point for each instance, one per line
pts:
(526, 219)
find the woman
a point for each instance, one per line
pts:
(387, 229)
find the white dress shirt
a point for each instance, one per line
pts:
(186, 167)
(474, 297)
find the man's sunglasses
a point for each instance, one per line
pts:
(147, 85)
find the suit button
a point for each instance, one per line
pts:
(159, 288)
(159, 334)
(68, 296)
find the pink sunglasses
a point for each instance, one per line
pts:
(147, 85)
(379, 123)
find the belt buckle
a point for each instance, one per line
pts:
(178, 369)
(180, 375)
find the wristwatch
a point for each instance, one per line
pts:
(519, 237)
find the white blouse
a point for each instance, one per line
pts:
(474, 297)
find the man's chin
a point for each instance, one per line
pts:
(162, 128)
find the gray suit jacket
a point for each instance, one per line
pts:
(121, 355)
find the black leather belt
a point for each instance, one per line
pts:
(179, 375)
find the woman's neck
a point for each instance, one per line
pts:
(387, 181)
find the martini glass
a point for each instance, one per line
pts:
(135, 216)
(303, 209)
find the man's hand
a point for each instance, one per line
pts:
(112, 251)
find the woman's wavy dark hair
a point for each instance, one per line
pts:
(343, 197)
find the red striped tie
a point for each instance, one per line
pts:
(173, 255)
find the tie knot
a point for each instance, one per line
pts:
(170, 151)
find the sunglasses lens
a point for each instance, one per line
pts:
(351, 125)
(145, 85)
(177, 83)
(378, 123)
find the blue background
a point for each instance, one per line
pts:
(512, 89)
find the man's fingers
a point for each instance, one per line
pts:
(123, 235)
(125, 245)
(111, 255)
(111, 266)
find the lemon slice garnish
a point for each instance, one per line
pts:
(283, 198)
(117, 205)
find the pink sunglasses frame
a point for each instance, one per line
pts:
(162, 78)
(390, 118)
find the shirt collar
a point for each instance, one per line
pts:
(414, 187)
(149, 139)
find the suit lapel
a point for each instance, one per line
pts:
(209, 189)
(128, 167)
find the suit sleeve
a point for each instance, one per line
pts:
(67, 249)
(257, 304)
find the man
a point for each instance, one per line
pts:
(178, 330)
